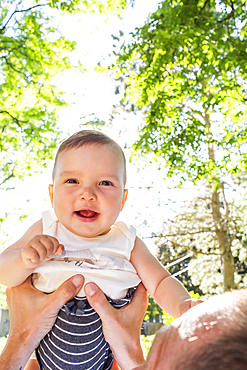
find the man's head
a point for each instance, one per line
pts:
(210, 336)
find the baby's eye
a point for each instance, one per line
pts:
(106, 183)
(71, 181)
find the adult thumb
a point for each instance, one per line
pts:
(67, 291)
(98, 301)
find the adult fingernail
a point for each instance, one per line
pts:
(77, 281)
(90, 289)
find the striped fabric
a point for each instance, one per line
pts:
(76, 340)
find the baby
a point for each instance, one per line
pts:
(80, 235)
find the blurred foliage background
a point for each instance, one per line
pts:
(181, 76)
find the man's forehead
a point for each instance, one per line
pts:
(178, 338)
(166, 346)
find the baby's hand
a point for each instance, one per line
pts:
(187, 304)
(39, 250)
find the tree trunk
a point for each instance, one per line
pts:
(227, 262)
(220, 222)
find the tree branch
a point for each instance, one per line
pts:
(7, 178)
(205, 4)
(206, 230)
(226, 204)
(16, 70)
(20, 11)
(16, 120)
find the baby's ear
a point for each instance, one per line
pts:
(50, 188)
(125, 196)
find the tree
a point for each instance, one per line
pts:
(32, 53)
(186, 70)
(191, 233)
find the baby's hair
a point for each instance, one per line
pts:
(90, 137)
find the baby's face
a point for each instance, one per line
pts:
(88, 189)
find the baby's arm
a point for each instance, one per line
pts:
(167, 291)
(19, 260)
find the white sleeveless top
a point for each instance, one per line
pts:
(103, 260)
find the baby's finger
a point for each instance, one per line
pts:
(51, 244)
(196, 302)
(60, 249)
(46, 247)
(185, 306)
(33, 254)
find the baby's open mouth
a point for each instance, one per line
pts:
(86, 213)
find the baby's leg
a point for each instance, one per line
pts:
(32, 365)
(114, 366)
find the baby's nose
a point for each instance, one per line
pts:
(87, 194)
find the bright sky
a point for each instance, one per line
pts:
(151, 200)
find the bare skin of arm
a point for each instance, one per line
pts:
(26, 254)
(167, 291)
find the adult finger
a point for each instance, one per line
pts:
(98, 301)
(140, 299)
(67, 291)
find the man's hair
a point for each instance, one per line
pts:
(227, 348)
(229, 352)
(90, 137)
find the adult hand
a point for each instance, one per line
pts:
(121, 327)
(32, 315)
